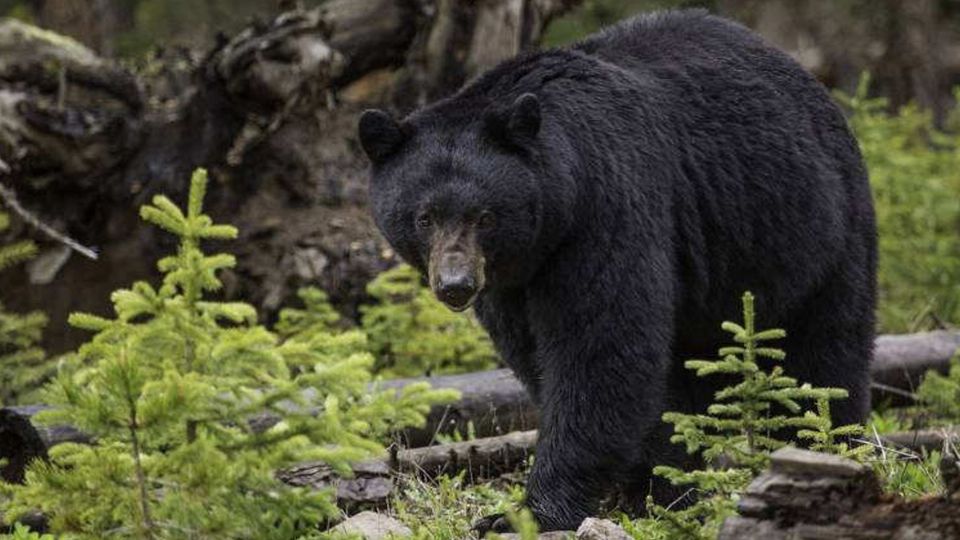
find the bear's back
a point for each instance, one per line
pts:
(681, 41)
(771, 172)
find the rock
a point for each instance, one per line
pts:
(790, 460)
(601, 529)
(373, 526)
(590, 529)
(812, 496)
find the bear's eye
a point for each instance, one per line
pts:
(424, 221)
(486, 221)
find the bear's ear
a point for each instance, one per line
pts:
(517, 124)
(524, 119)
(380, 134)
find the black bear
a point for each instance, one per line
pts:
(603, 206)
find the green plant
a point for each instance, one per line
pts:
(745, 422)
(823, 437)
(915, 175)
(16, 252)
(742, 422)
(909, 474)
(940, 394)
(888, 420)
(22, 532)
(317, 315)
(412, 333)
(167, 389)
(445, 509)
(23, 364)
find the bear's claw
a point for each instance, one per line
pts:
(493, 523)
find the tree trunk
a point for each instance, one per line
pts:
(271, 112)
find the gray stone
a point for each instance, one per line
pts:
(790, 460)
(601, 529)
(373, 526)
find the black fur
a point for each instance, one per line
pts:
(671, 162)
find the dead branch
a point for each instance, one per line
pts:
(374, 481)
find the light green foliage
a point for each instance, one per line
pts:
(909, 474)
(740, 422)
(407, 330)
(167, 388)
(888, 420)
(23, 364)
(823, 437)
(446, 509)
(412, 333)
(915, 175)
(741, 426)
(940, 394)
(716, 491)
(316, 316)
(21, 532)
(16, 252)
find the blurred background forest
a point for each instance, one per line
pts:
(912, 48)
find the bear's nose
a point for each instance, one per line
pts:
(456, 291)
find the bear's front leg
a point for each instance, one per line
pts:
(602, 397)
(603, 346)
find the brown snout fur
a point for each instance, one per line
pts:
(455, 251)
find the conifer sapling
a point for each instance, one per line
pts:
(167, 388)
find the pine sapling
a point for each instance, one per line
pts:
(743, 425)
(167, 389)
(24, 366)
(823, 437)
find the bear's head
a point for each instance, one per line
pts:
(457, 191)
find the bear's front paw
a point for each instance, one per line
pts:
(493, 523)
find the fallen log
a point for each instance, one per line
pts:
(495, 403)
(374, 481)
(900, 361)
(924, 439)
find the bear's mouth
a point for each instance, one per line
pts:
(458, 306)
